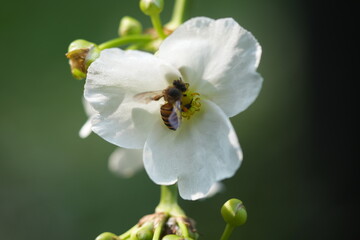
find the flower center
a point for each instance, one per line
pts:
(190, 104)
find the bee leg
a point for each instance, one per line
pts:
(157, 98)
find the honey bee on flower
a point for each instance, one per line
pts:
(175, 104)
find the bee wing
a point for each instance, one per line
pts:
(175, 116)
(146, 97)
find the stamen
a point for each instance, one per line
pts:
(190, 104)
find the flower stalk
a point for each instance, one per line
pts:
(131, 39)
(159, 229)
(168, 201)
(183, 228)
(178, 14)
(227, 232)
(127, 234)
(156, 22)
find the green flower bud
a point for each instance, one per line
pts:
(175, 237)
(151, 7)
(81, 54)
(144, 234)
(234, 212)
(129, 26)
(107, 236)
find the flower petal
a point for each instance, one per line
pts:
(85, 130)
(126, 162)
(215, 189)
(89, 110)
(220, 58)
(203, 151)
(112, 82)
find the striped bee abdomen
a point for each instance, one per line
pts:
(166, 111)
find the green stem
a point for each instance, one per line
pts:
(168, 194)
(184, 229)
(168, 201)
(127, 233)
(227, 232)
(156, 22)
(178, 15)
(125, 40)
(158, 229)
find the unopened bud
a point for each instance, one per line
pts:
(144, 234)
(234, 212)
(129, 26)
(175, 237)
(81, 54)
(151, 7)
(107, 236)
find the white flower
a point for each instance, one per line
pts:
(218, 59)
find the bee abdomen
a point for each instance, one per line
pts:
(165, 111)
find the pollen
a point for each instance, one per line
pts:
(190, 104)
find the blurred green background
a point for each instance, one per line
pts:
(54, 185)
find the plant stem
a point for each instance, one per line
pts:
(127, 233)
(178, 15)
(158, 229)
(227, 232)
(168, 201)
(168, 194)
(156, 22)
(184, 229)
(125, 40)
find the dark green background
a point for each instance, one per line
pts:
(54, 185)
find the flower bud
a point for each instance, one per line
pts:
(175, 237)
(107, 236)
(234, 212)
(151, 7)
(81, 54)
(129, 26)
(144, 234)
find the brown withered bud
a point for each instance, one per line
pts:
(81, 54)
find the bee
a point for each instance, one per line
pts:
(171, 110)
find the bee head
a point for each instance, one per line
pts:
(179, 84)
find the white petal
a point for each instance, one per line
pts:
(89, 110)
(215, 189)
(203, 151)
(85, 130)
(126, 162)
(112, 81)
(219, 59)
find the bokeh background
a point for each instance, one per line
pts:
(296, 137)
